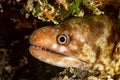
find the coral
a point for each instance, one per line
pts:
(58, 10)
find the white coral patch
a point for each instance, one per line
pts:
(99, 67)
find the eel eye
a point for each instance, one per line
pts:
(63, 38)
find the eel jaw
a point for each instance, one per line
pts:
(57, 59)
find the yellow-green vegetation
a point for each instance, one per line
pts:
(58, 10)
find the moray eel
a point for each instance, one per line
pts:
(87, 43)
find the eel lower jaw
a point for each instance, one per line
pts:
(57, 59)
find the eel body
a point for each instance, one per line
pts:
(87, 43)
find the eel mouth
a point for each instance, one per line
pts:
(46, 50)
(40, 48)
(55, 58)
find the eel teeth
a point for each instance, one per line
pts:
(36, 47)
(40, 47)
